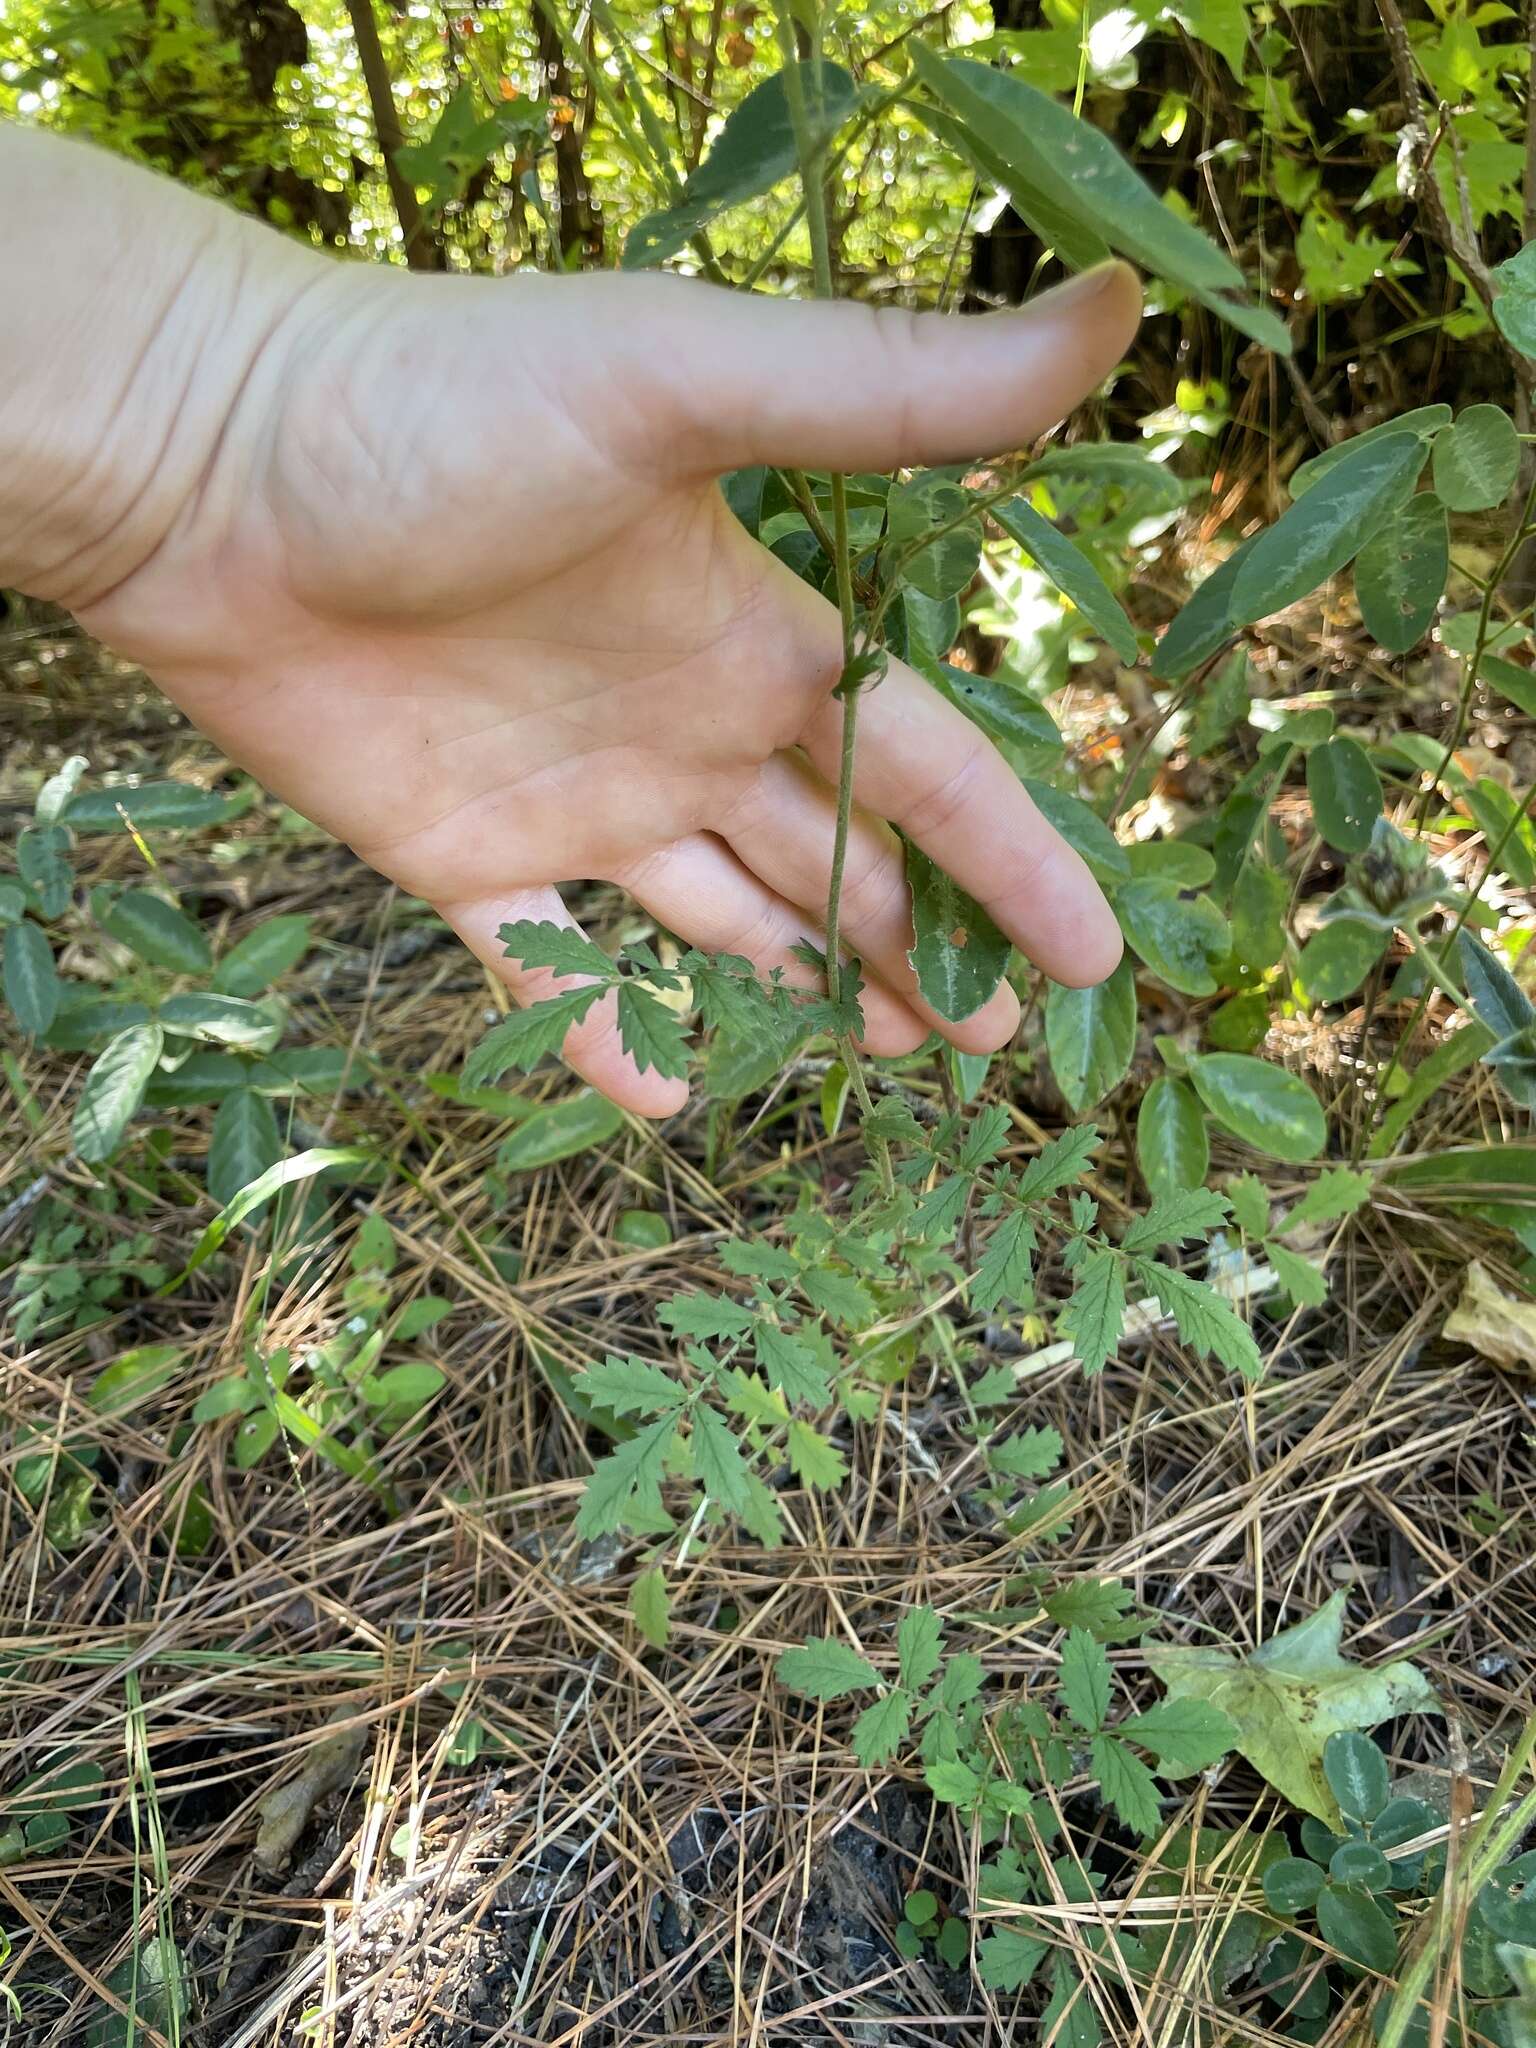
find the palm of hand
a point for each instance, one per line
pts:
(495, 637)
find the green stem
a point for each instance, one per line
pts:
(1495, 1836)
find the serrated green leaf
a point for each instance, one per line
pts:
(1007, 1960)
(958, 954)
(881, 1729)
(1092, 1320)
(825, 1668)
(1326, 528)
(1204, 1321)
(1187, 1215)
(1173, 1149)
(1183, 1734)
(790, 1364)
(1032, 1454)
(1058, 1164)
(1084, 1682)
(717, 1461)
(650, 1608)
(626, 1483)
(706, 1316)
(631, 1386)
(1303, 1282)
(952, 1781)
(919, 1641)
(560, 947)
(816, 1462)
(1337, 1191)
(839, 1297)
(653, 1035)
(1005, 1273)
(1127, 1785)
(525, 1037)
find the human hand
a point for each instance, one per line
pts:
(455, 580)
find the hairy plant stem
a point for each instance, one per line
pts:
(815, 201)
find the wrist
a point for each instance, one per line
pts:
(122, 365)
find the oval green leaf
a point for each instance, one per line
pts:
(1090, 1034)
(1338, 957)
(29, 977)
(1262, 1104)
(246, 1143)
(1071, 571)
(1477, 460)
(1401, 571)
(1346, 793)
(958, 955)
(114, 1089)
(559, 1132)
(159, 933)
(1177, 936)
(1173, 1148)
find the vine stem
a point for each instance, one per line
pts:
(809, 151)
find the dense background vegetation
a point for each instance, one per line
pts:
(417, 1622)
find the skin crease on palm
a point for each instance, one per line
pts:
(445, 564)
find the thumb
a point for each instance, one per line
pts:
(749, 379)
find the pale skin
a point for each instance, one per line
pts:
(445, 564)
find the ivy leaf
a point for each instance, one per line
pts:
(958, 955)
(1059, 1164)
(816, 1462)
(717, 1461)
(1202, 1318)
(525, 1037)
(1320, 532)
(825, 1668)
(1127, 1785)
(1187, 1214)
(1005, 1272)
(881, 1729)
(627, 1482)
(1184, 1734)
(1084, 1682)
(919, 1642)
(654, 1036)
(790, 1364)
(1092, 1320)
(631, 1386)
(543, 943)
(1290, 1695)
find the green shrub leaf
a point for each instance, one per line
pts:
(1326, 528)
(1477, 460)
(1090, 1034)
(114, 1089)
(1346, 793)
(1400, 573)
(1262, 1104)
(958, 954)
(1172, 1146)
